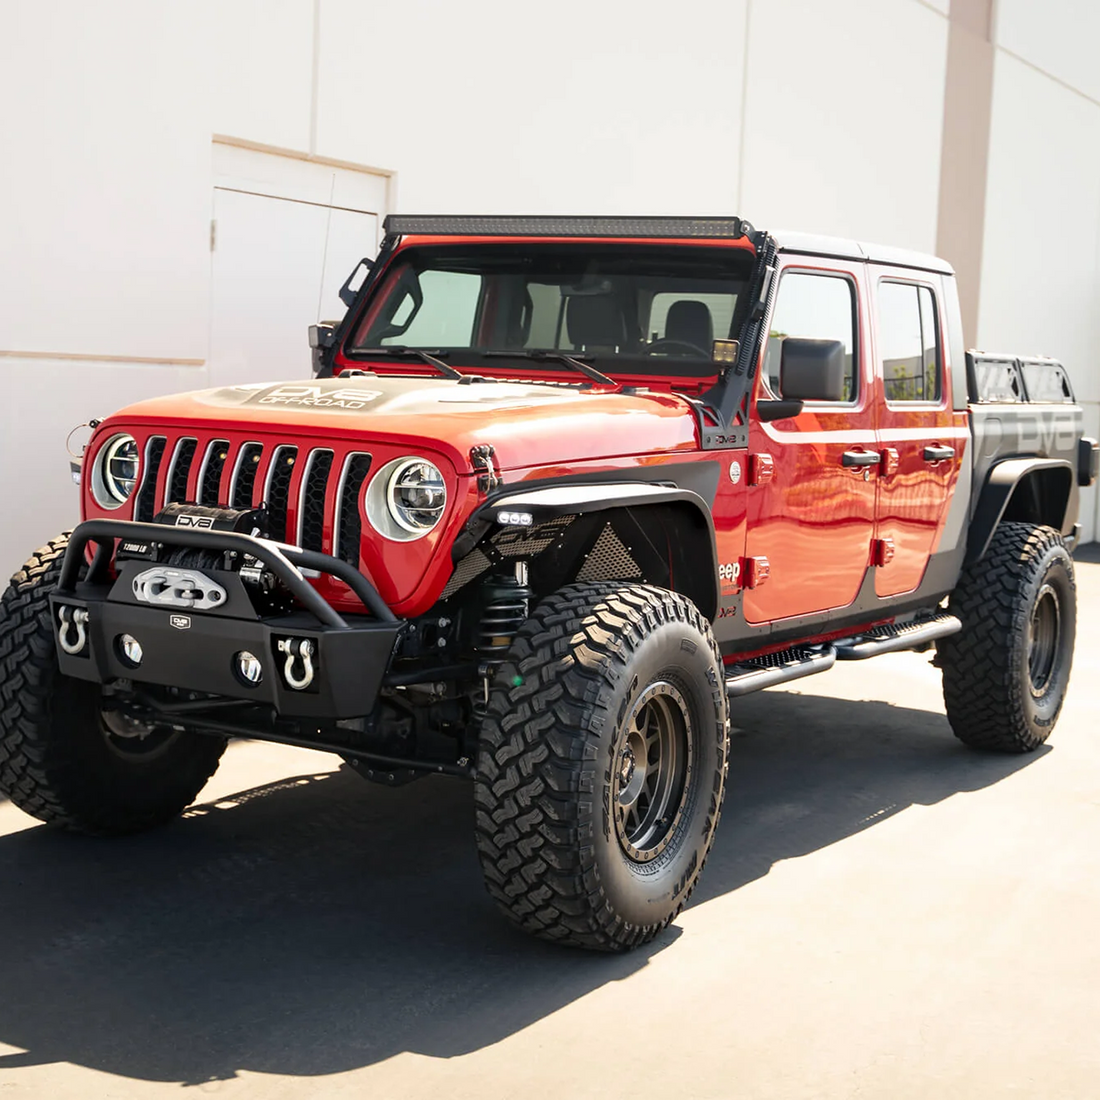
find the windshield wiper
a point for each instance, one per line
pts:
(555, 356)
(425, 357)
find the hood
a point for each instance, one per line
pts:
(527, 424)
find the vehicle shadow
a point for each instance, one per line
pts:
(321, 924)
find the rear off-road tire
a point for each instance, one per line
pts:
(1006, 672)
(61, 759)
(602, 764)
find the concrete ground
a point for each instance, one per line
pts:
(885, 915)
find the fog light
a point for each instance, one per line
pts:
(131, 650)
(249, 668)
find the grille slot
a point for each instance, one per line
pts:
(243, 482)
(145, 506)
(210, 476)
(311, 507)
(179, 470)
(277, 490)
(349, 521)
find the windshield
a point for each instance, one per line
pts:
(641, 308)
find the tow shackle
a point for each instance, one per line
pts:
(297, 649)
(72, 618)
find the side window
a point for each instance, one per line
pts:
(814, 307)
(908, 342)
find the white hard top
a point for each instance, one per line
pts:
(816, 245)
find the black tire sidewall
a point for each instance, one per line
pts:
(650, 893)
(1054, 568)
(60, 766)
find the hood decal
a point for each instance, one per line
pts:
(321, 394)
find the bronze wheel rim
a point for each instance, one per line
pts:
(1044, 635)
(651, 771)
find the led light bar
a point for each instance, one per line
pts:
(507, 226)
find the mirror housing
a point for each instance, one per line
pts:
(322, 334)
(812, 370)
(322, 339)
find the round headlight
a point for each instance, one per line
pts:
(406, 498)
(115, 475)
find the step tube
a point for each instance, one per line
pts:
(940, 627)
(744, 683)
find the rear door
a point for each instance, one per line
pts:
(921, 437)
(811, 510)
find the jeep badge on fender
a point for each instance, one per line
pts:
(560, 492)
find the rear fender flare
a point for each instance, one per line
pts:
(1031, 490)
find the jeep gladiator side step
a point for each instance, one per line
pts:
(777, 668)
(887, 639)
(758, 673)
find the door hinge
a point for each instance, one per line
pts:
(882, 551)
(213, 233)
(755, 572)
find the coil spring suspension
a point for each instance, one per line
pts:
(506, 611)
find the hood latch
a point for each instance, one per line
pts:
(482, 458)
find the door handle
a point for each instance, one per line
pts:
(938, 454)
(860, 458)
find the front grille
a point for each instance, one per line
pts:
(180, 469)
(311, 509)
(210, 476)
(277, 494)
(349, 522)
(145, 507)
(300, 507)
(245, 469)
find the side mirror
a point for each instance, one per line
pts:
(812, 370)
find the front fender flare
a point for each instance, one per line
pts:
(530, 507)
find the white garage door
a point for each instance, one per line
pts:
(284, 237)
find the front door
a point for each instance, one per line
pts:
(812, 477)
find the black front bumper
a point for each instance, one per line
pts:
(199, 650)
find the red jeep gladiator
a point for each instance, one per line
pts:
(559, 490)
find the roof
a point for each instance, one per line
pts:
(814, 244)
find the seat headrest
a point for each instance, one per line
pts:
(690, 321)
(594, 321)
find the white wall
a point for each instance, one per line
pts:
(108, 110)
(589, 107)
(844, 118)
(1040, 284)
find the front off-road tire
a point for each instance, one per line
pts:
(602, 765)
(60, 759)
(1006, 672)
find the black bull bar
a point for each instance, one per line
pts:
(200, 650)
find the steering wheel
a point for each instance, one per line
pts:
(682, 345)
